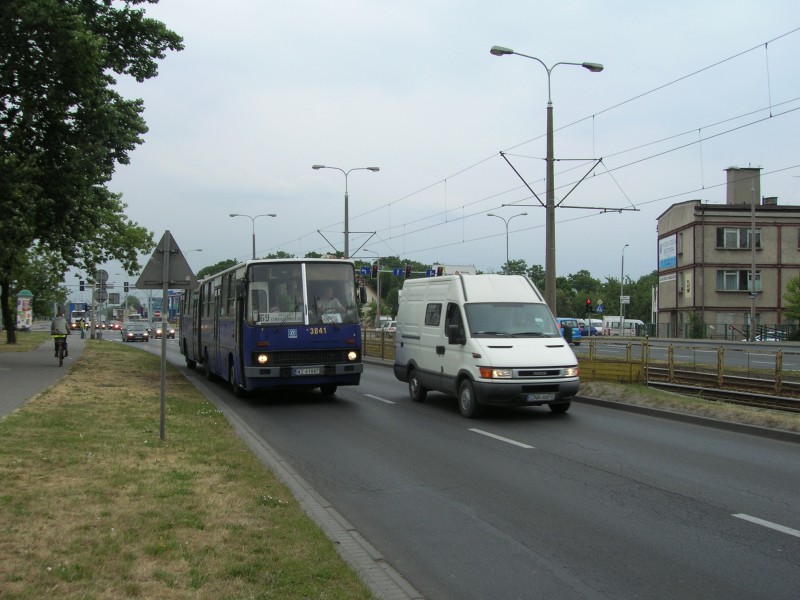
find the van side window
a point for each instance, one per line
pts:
(433, 314)
(453, 317)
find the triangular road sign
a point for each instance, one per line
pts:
(179, 274)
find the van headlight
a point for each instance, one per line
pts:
(571, 372)
(490, 373)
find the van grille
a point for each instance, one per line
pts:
(539, 373)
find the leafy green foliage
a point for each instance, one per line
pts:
(64, 128)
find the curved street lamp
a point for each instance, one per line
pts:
(346, 210)
(506, 222)
(253, 219)
(550, 206)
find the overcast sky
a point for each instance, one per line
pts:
(266, 89)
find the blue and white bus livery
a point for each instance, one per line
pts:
(270, 324)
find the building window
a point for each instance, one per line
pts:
(736, 281)
(737, 238)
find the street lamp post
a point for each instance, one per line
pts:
(346, 208)
(506, 222)
(621, 292)
(253, 220)
(550, 205)
(378, 303)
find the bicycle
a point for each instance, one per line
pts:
(60, 348)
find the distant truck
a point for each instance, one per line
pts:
(77, 314)
(489, 340)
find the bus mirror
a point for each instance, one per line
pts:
(362, 294)
(241, 289)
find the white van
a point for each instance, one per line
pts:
(490, 340)
(631, 327)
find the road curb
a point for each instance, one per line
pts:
(381, 578)
(767, 432)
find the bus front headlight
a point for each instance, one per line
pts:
(262, 359)
(352, 356)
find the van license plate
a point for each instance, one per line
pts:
(539, 397)
(297, 371)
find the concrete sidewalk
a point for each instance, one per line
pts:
(23, 375)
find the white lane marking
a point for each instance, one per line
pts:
(379, 399)
(502, 439)
(769, 524)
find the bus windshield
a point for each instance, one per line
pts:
(289, 293)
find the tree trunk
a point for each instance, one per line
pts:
(9, 322)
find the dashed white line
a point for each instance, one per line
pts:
(379, 399)
(503, 439)
(762, 522)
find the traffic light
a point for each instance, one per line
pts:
(588, 305)
(126, 287)
(82, 285)
(374, 270)
(408, 271)
(439, 271)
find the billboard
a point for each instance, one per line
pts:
(668, 252)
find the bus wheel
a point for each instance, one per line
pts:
(416, 390)
(467, 404)
(559, 408)
(207, 365)
(238, 390)
(327, 390)
(190, 364)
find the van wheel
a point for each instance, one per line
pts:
(416, 390)
(467, 404)
(559, 408)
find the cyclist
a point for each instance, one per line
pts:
(60, 329)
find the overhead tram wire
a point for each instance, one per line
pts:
(600, 112)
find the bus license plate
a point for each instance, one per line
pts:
(539, 397)
(298, 371)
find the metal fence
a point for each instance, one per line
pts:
(766, 368)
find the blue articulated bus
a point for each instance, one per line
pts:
(271, 324)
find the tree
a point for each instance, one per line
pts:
(792, 298)
(220, 266)
(64, 128)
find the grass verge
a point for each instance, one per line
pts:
(641, 395)
(94, 505)
(26, 340)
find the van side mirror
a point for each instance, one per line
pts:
(455, 336)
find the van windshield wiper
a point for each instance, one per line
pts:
(497, 333)
(529, 334)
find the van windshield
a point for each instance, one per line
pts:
(510, 319)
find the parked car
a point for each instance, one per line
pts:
(391, 327)
(135, 332)
(159, 330)
(570, 329)
(588, 327)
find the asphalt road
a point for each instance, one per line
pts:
(597, 503)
